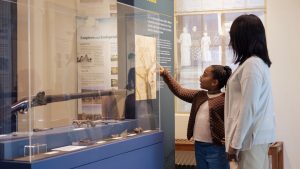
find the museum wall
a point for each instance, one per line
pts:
(283, 25)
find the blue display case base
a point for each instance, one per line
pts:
(144, 151)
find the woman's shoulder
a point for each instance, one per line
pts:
(254, 61)
(253, 64)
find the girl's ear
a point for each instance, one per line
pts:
(215, 83)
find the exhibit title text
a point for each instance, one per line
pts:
(97, 37)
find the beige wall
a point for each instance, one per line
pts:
(283, 35)
(181, 123)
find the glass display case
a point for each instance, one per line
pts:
(75, 75)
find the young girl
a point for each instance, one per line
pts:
(206, 121)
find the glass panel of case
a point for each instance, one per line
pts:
(202, 35)
(75, 74)
(187, 6)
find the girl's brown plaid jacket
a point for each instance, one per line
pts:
(197, 98)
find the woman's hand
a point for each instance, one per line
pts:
(232, 154)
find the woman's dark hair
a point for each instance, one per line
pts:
(248, 38)
(221, 73)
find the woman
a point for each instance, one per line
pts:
(206, 122)
(249, 113)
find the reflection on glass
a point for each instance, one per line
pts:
(208, 5)
(209, 34)
(205, 51)
(232, 4)
(185, 47)
(255, 3)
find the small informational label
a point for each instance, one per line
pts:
(78, 129)
(130, 135)
(101, 142)
(117, 138)
(147, 131)
(52, 152)
(69, 148)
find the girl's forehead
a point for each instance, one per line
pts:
(208, 69)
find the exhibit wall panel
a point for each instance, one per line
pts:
(52, 44)
(8, 60)
(283, 38)
(152, 19)
(22, 55)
